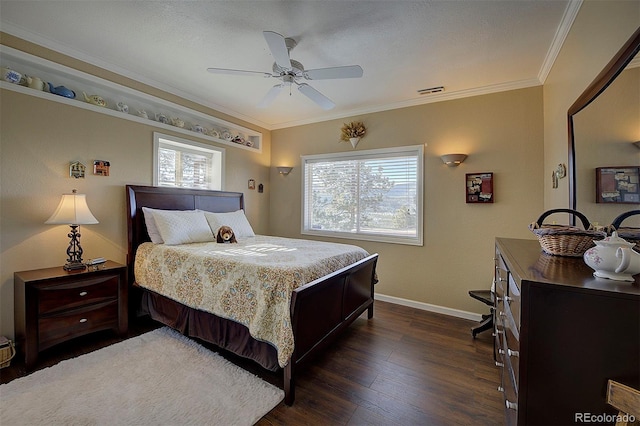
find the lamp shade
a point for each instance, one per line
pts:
(72, 210)
(453, 160)
(284, 170)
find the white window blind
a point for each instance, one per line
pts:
(183, 163)
(372, 195)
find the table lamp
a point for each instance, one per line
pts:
(73, 211)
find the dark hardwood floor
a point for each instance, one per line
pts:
(403, 367)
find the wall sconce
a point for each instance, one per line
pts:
(452, 160)
(73, 211)
(284, 170)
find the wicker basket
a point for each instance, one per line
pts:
(630, 234)
(565, 240)
(7, 352)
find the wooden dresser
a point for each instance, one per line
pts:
(53, 305)
(560, 335)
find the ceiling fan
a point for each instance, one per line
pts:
(290, 72)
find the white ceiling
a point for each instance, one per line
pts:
(468, 46)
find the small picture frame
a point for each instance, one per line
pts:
(76, 170)
(101, 168)
(618, 185)
(252, 184)
(479, 188)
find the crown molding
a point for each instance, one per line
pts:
(566, 22)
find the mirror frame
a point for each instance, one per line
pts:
(617, 64)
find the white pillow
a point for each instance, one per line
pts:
(236, 220)
(152, 228)
(182, 227)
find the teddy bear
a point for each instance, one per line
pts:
(226, 235)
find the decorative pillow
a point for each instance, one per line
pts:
(236, 220)
(182, 227)
(152, 228)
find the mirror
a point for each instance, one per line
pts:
(600, 134)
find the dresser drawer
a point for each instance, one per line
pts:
(59, 327)
(78, 293)
(514, 300)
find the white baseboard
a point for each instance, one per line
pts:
(429, 307)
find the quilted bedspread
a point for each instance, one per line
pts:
(250, 282)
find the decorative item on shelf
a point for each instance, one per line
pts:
(248, 142)
(161, 118)
(36, 83)
(76, 169)
(238, 139)
(95, 100)
(226, 135)
(284, 170)
(101, 167)
(214, 133)
(62, 91)
(73, 211)
(352, 132)
(565, 240)
(479, 187)
(613, 258)
(178, 122)
(122, 107)
(453, 160)
(142, 113)
(197, 128)
(11, 76)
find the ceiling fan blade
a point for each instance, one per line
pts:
(270, 96)
(350, 71)
(237, 72)
(278, 48)
(315, 96)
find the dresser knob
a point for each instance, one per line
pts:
(513, 353)
(502, 314)
(83, 293)
(499, 331)
(508, 299)
(500, 389)
(499, 364)
(83, 320)
(511, 405)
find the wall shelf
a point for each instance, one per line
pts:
(112, 93)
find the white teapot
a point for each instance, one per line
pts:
(613, 258)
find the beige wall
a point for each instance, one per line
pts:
(501, 133)
(598, 32)
(38, 140)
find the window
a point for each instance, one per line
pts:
(187, 164)
(370, 195)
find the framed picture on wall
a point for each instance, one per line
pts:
(617, 185)
(480, 187)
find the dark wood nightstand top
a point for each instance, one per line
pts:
(58, 272)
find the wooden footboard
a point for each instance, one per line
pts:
(322, 308)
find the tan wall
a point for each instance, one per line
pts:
(501, 133)
(38, 140)
(598, 32)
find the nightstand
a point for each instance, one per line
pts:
(53, 305)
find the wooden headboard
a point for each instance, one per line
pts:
(167, 198)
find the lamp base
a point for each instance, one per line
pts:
(74, 266)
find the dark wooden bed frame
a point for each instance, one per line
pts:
(319, 310)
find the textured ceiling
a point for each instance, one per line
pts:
(467, 46)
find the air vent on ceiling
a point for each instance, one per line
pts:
(431, 90)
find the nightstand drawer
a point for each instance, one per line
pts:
(59, 327)
(78, 293)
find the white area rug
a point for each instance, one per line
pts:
(158, 378)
